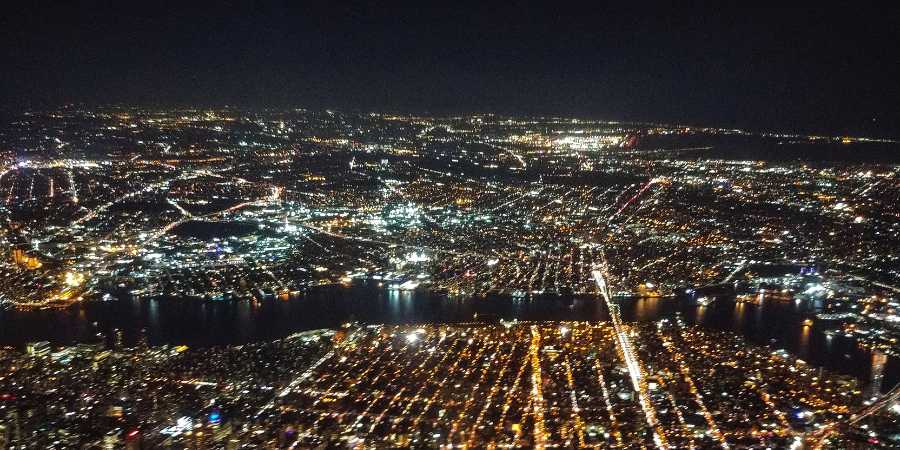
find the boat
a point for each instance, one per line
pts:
(837, 316)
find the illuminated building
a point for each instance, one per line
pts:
(41, 348)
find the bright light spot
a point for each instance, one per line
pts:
(182, 425)
(74, 279)
(417, 257)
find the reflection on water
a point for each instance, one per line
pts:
(646, 309)
(803, 342)
(701, 314)
(154, 312)
(195, 323)
(879, 360)
(737, 322)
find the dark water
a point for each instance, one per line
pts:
(196, 323)
(773, 149)
(208, 230)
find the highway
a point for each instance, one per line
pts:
(631, 361)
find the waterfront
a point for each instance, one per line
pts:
(778, 324)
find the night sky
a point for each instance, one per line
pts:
(764, 66)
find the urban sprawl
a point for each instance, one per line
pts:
(116, 204)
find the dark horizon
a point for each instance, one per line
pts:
(767, 67)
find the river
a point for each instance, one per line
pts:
(195, 323)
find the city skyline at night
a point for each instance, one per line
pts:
(449, 225)
(594, 263)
